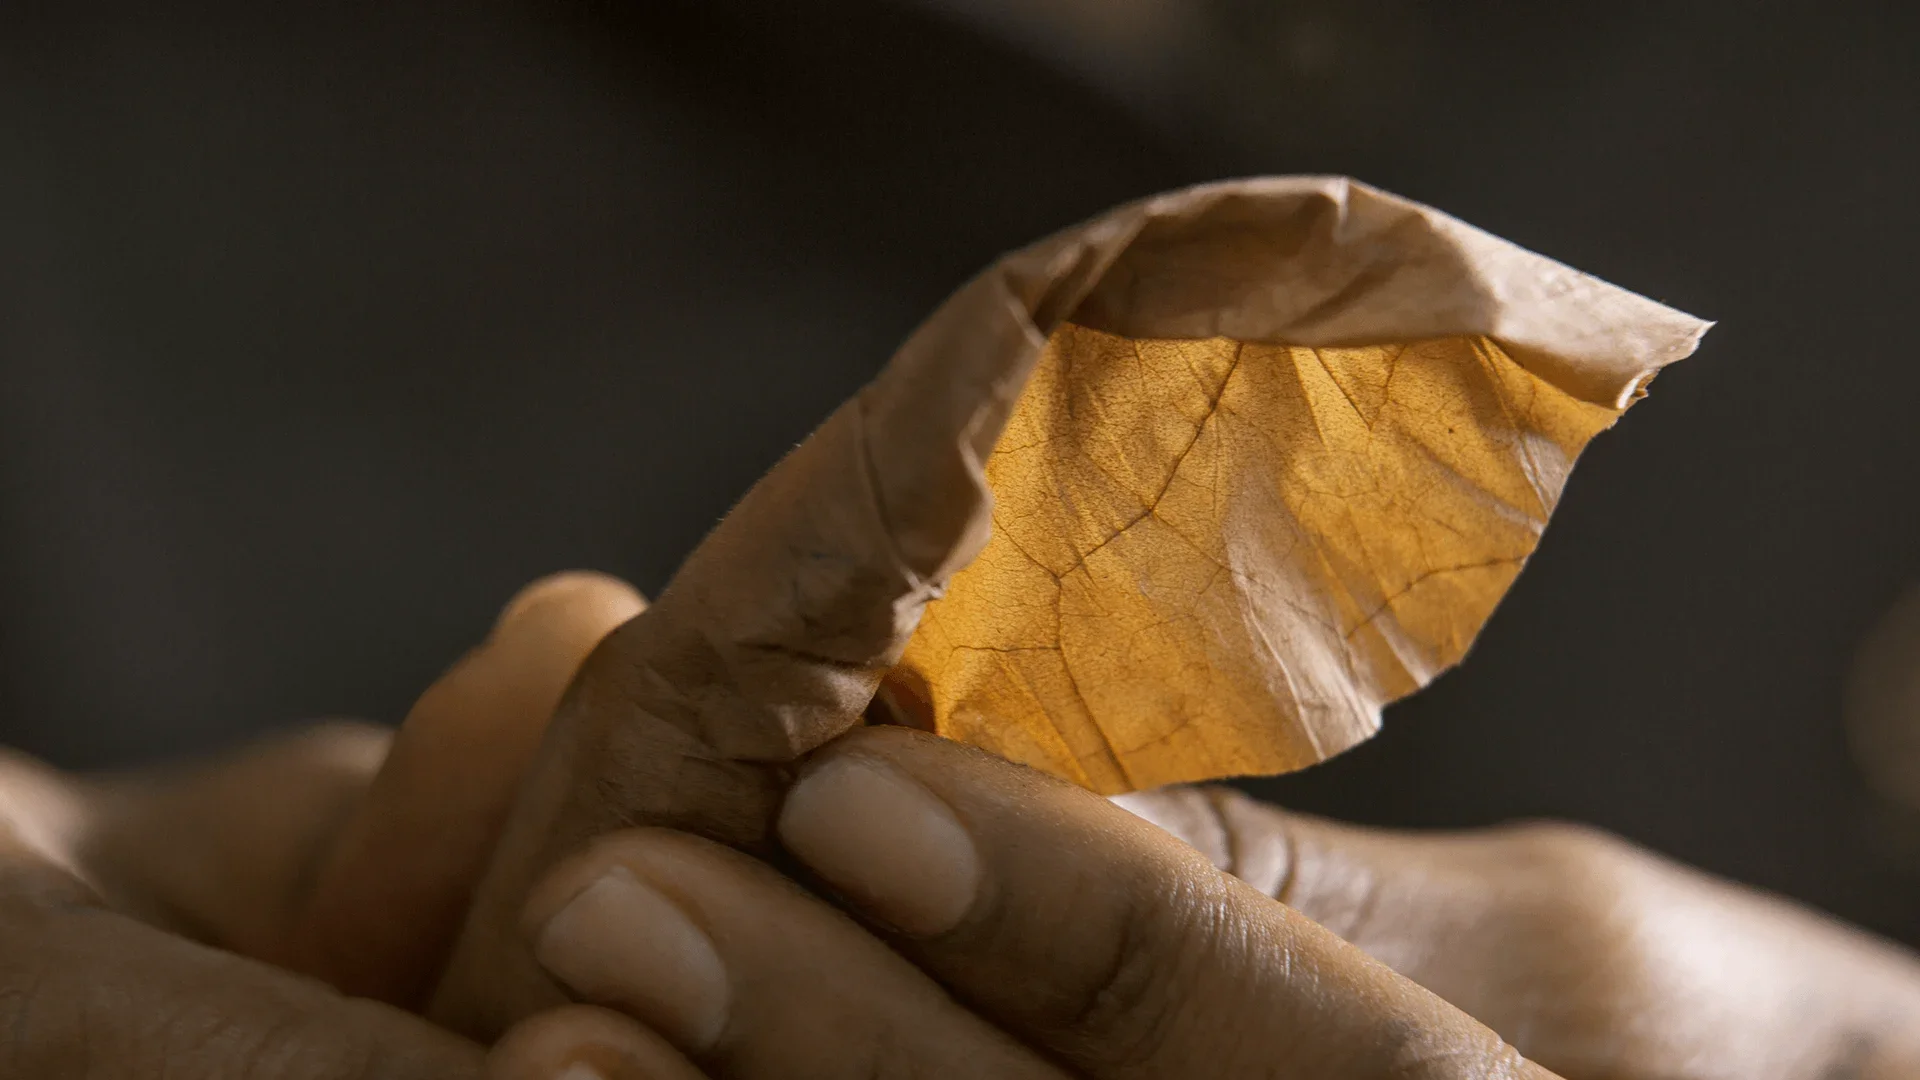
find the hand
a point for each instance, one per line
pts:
(1004, 924)
(1010, 926)
(136, 910)
(1592, 956)
(98, 976)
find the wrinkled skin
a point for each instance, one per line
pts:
(152, 925)
(101, 976)
(1593, 956)
(147, 921)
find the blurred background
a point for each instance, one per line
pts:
(324, 327)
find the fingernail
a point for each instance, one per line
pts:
(622, 942)
(885, 842)
(581, 1071)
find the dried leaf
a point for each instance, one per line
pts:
(1220, 556)
(1213, 558)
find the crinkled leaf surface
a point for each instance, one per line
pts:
(1215, 557)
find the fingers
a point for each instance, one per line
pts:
(1591, 956)
(1096, 936)
(580, 1042)
(221, 850)
(390, 895)
(749, 974)
(88, 992)
(1485, 919)
(773, 635)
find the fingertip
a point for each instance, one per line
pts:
(585, 1042)
(745, 971)
(885, 840)
(342, 746)
(573, 875)
(616, 926)
(416, 846)
(572, 592)
(908, 747)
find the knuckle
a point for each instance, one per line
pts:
(1567, 879)
(1580, 904)
(1573, 855)
(1130, 998)
(1118, 995)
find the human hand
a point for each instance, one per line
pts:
(1593, 957)
(1561, 940)
(1004, 924)
(1007, 924)
(106, 970)
(136, 910)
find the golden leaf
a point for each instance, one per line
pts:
(1214, 557)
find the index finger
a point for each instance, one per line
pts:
(388, 899)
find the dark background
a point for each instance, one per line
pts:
(322, 330)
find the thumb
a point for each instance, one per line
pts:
(1097, 938)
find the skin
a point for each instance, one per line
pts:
(154, 925)
(170, 922)
(1112, 949)
(106, 972)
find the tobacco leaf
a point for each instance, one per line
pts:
(1213, 558)
(1221, 555)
